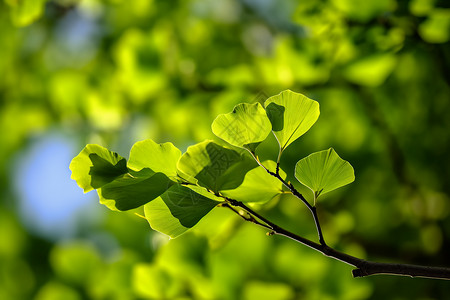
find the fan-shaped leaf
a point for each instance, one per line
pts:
(246, 126)
(291, 115)
(258, 185)
(96, 166)
(324, 171)
(130, 191)
(177, 210)
(157, 157)
(213, 166)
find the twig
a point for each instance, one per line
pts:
(249, 218)
(311, 208)
(363, 267)
(296, 193)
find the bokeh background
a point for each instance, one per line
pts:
(116, 72)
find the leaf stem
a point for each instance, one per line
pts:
(233, 202)
(279, 155)
(257, 160)
(312, 208)
(297, 194)
(250, 217)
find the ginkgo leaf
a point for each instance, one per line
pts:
(291, 115)
(129, 192)
(213, 166)
(246, 126)
(157, 157)
(324, 171)
(177, 210)
(258, 185)
(96, 166)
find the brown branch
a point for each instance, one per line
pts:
(363, 267)
(296, 193)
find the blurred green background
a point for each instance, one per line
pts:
(116, 72)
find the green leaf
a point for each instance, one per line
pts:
(372, 70)
(258, 185)
(246, 126)
(96, 166)
(25, 12)
(362, 11)
(267, 290)
(71, 261)
(157, 157)
(436, 28)
(324, 171)
(177, 210)
(213, 166)
(204, 192)
(291, 115)
(132, 191)
(155, 282)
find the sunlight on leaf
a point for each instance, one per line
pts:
(96, 166)
(291, 115)
(267, 291)
(204, 192)
(177, 210)
(213, 166)
(131, 192)
(362, 10)
(258, 185)
(246, 126)
(73, 260)
(56, 290)
(153, 282)
(372, 70)
(157, 157)
(25, 12)
(436, 28)
(324, 171)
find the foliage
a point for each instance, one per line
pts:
(110, 73)
(291, 116)
(181, 203)
(324, 171)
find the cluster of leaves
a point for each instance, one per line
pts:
(107, 72)
(178, 190)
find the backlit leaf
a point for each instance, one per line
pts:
(154, 282)
(96, 166)
(25, 12)
(291, 115)
(177, 210)
(213, 166)
(372, 70)
(157, 157)
(246, 126)
(130, 191)
(324, 171)
(436, 28)
(258, 185)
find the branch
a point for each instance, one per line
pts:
(249, 217)
(296, 193)
(363, 267)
